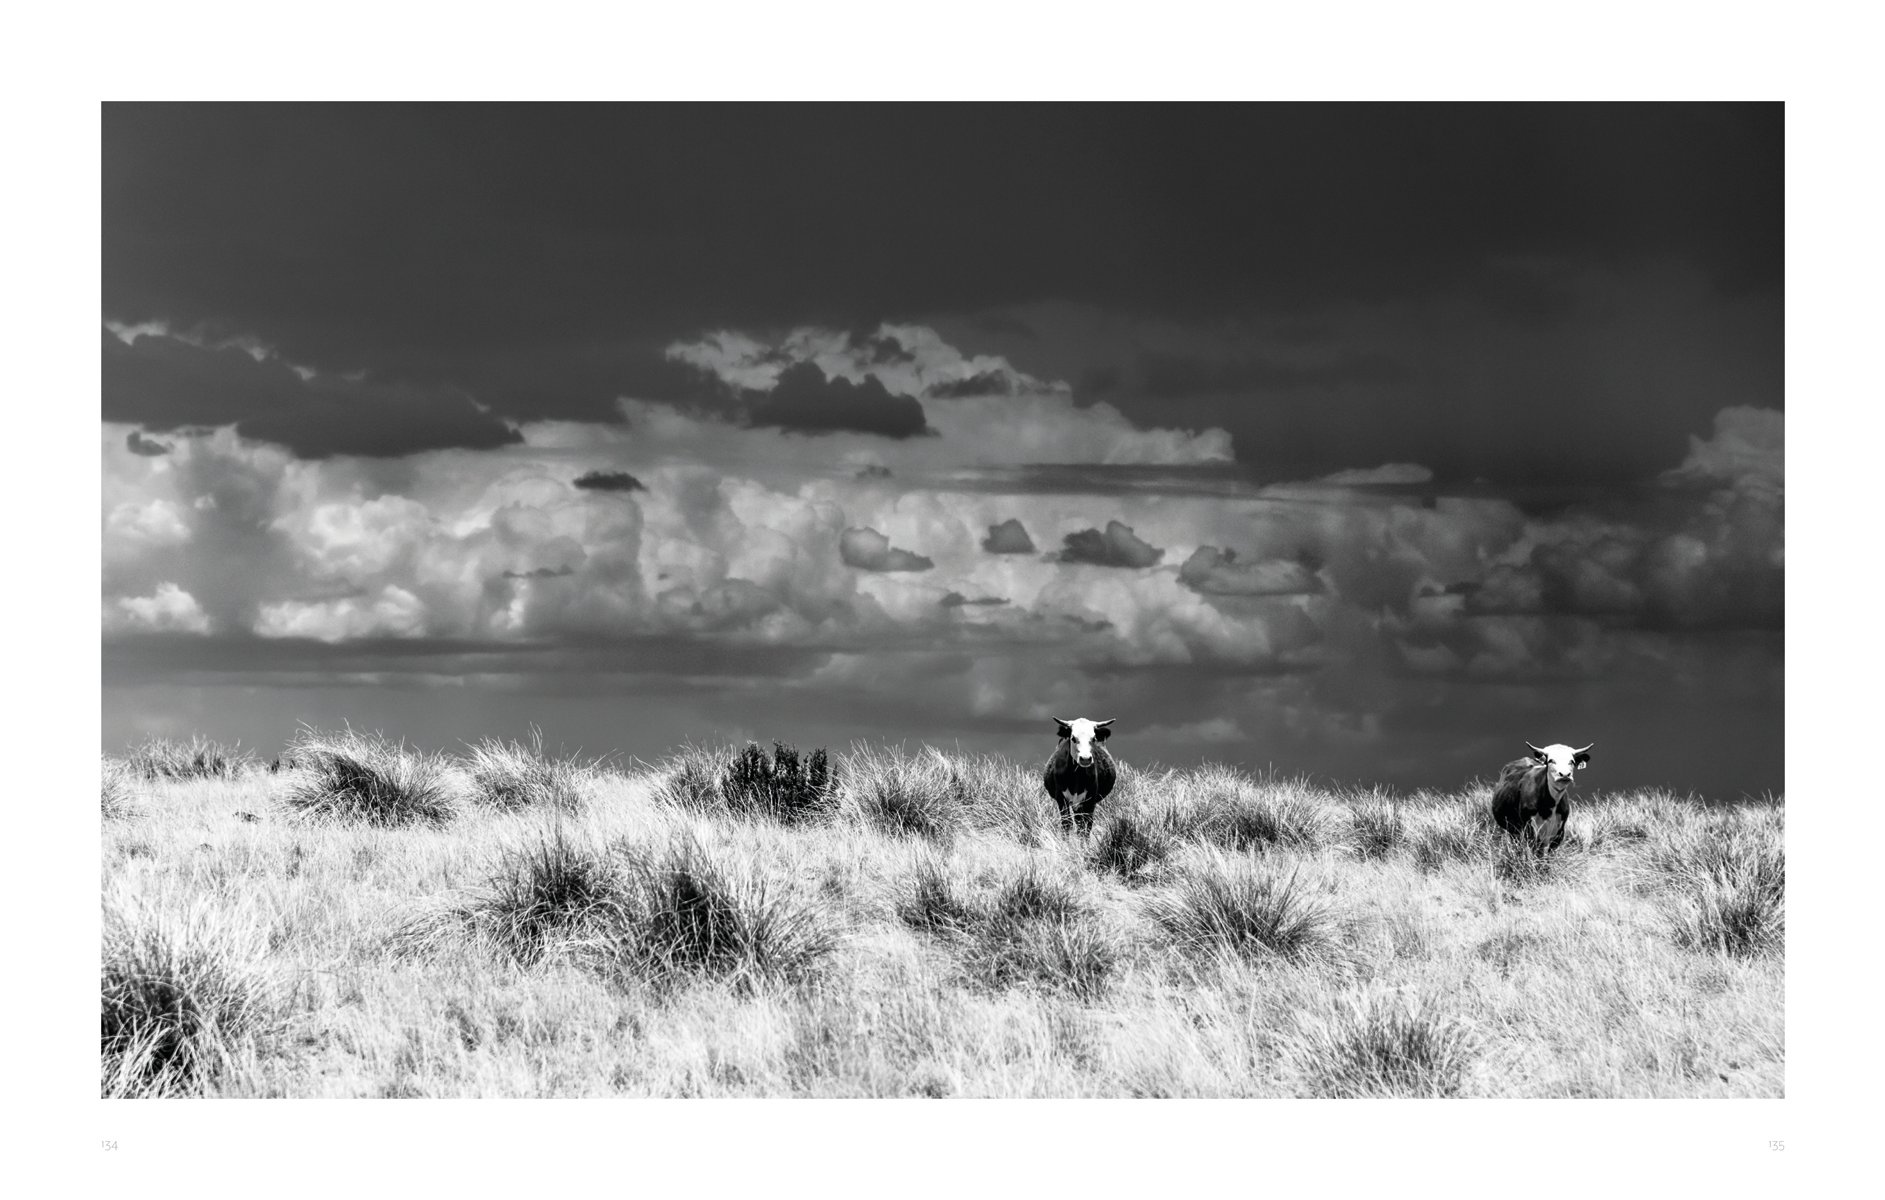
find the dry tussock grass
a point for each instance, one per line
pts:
(506, 924)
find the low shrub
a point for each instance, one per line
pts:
(746, 783)
(781, 787)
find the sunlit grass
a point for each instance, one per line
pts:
(398, 924)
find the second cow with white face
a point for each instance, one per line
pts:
(1533, 796)
(1081, 773)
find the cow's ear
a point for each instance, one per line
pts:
(1582, 760)
(1536, 752)
(1062, 728)
(1102, 733)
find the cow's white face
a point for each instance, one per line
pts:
(1082, 735)
(1561, 762)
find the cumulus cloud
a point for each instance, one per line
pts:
(983, 383)
(1747, 447)
(1216, 572)
(393, 612)
(868, 550)
(169, 609)
(1711, 555)
(803, 400)
(135, 526)
(166, 382)
(1009, 537)
(1116, 546)
(148, 447)
(608, 481)
(981, 409)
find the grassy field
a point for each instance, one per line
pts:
(371, 921)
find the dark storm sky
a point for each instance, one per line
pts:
(355, 357)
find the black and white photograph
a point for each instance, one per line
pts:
(681, 600)
(1000, 600)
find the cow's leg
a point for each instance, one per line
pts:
(1066, 812)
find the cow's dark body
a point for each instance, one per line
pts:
(1522, 795)
(1066, 778)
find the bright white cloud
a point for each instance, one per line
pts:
(169, 609)
(394, 612)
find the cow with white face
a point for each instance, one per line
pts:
(1081, 773)
(1533, 797)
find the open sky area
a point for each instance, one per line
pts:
(1362, 441)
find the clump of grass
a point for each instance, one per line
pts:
(1071, 955)
(542, 899)
(1451, 834)
(919, 795)
(933, 904)
(1378, 828)
(690, 779)
(366, 779)
(512, 776)
(1247, 908)
(1007, 797)
(700, 916)
(1129, 846)
(1031, 895)
(1726, 894)
(197, 758)
(177, 989)
(1030, 930)
(1222, 806)
(1523, 863)
(1382, 1045)
(1503, 950)
(664, 916)
(117, 794)
(1034, 931)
